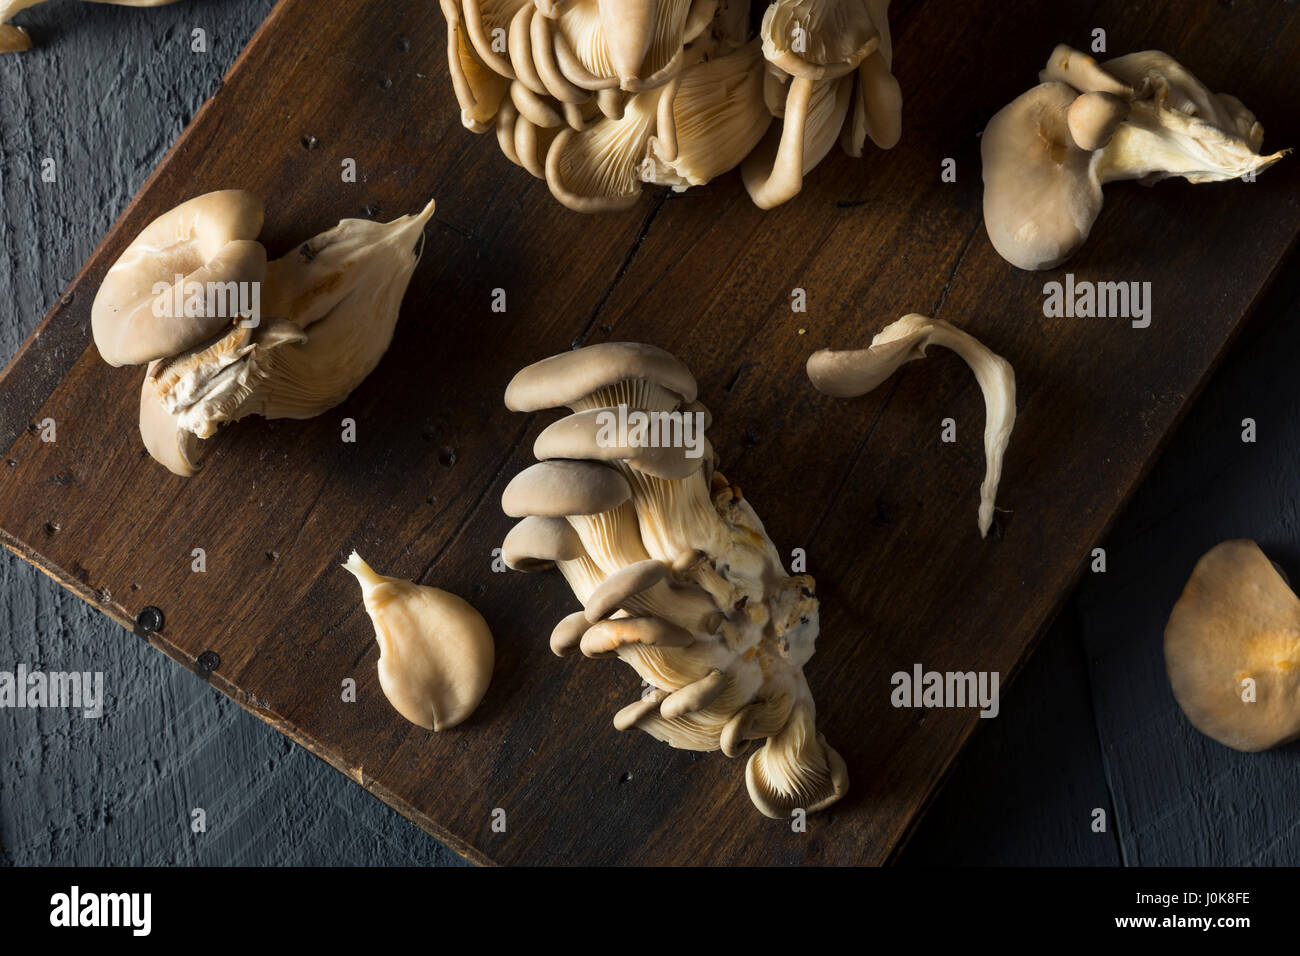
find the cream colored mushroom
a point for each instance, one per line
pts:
(15, 39)
(718, 631)
(852, 373)
(812, 119)
(1232, 649)
(332, 305)
(1047, 154)
(435, 650)
(208, 242)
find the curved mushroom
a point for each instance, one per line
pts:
(709, 620)
(1047, 154)
(1232, 649)
(812, 119)
(853, 373)
(435, 650)
(719, 116)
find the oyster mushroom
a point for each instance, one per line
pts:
(600, 96)
(849, 374)
(1232, 649)
(719, 632)
(14, 39)
(1048, 153)
(435, 650)
(328, 311)
(207, 239)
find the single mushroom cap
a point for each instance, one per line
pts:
(604, 375)
(566, 637)
(537, 542)
(435, 650)
(1232, 649)
(564, 488)
(851, 373)
(1041, 190)
(207, 239)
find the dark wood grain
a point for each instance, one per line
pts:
(886, 512)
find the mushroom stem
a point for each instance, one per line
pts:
(1156, 143)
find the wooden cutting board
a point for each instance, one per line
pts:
(884, 510)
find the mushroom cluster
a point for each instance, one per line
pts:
(600, 96)
(15, 39)
(1143, 116)
(227, 334)
(675, 574)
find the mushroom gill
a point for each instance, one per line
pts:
(600, 96)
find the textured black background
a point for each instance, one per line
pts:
(1090, 723)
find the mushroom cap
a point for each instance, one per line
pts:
(560, 488)
(567, 378)
(1094, 117)
(1237, 619)
(435, 650)
(566, 637)
(587, 435)
(1041, 192)
(604, 638)
(849, 373)
(622, 584)
(210, 238)
(537, 542)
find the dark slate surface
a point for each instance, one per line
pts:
(1089, 724)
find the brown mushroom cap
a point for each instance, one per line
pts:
(566, 638)
(570, 377)
(1236, 620)
(210, 238)
(563, 488)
